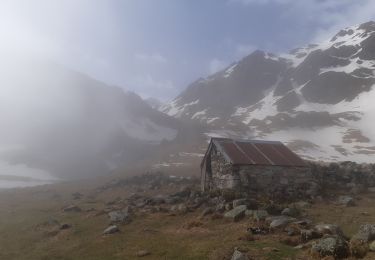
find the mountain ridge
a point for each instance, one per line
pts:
(316, 98)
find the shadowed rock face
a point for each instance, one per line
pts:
(311, 66)
(223, 91)
(333, 87)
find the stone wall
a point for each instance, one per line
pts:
(276, 181)
(270, 180)
(223, 176)
(350, 176)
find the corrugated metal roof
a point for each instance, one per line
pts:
(254, 152)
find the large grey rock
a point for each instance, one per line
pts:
(346, 200)
(111, 230)
(309, 234)
(281, 221)
(329, 229)
(249, 212)
(119, 216)
(291, 212)
(372, 246)
(240, 202)
(238, 255)
(334, 246)
(237, 213)
(365, 233)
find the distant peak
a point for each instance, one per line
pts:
(368, 26)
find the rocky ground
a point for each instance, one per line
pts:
(157, 216)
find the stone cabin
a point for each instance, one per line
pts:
(253, 166)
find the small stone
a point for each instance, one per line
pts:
(238, 255)
(307, 235)
(237, 213)
(207, 211)
(330, 229)
(347, 201)
(143, 253)
(291, 212)
(281, 221)
(65, 226)
(334, 246)
(72, 208)
(119, 216)
(111, 230)
(372, 246)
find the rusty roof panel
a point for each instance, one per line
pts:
(236, 156)
(271, 154)
(253, 153)
(292, 157)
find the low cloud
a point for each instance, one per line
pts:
(150, 58)
(149, 86)
(216, 65)
(243, 50)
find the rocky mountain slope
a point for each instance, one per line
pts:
(69, 124)
(318, 99)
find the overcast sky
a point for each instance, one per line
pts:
(157, 47)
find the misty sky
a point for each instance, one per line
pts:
(157, 47)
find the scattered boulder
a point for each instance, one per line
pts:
(292, 230)
(358, 248)
(72, 208)
(157, 200)
(111, 230)
(238, 255)
(65, 226)
(346, 201)
(119, 216)
(280, 221)
(365, 233)
(180, 208)
(77, 195)
(251, 204)
(237, 213)
(273, 209)
(239, 202)
(183, 193)
(249, 212)
(143, 253)
(330, 229)
(372, 246)
(309, 234)
(334, 246)
(207, 211)
(291, 212)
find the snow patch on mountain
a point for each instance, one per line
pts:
(172, 109)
